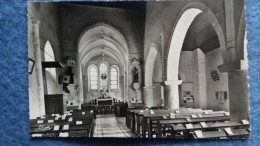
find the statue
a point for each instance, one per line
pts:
(136, 75)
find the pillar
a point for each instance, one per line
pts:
(79, 80)
(238, 89)
(230, 31)
(199, 79)
(38, 66)
(238, 94)
(148, 96)
(171, 94)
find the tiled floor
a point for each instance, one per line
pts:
(111, 126)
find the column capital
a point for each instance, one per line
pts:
(233, 66)
(172, 82)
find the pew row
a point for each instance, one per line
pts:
(78, 123)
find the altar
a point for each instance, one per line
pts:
(104, 101)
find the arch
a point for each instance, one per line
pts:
(96, 51)
(149, 64)
(241, 38)
(177, 41)
(95, 31)
(108, 40)
(50, 73)
(182, 76)
(48, 52)
(186, 17)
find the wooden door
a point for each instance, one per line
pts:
(54, 104)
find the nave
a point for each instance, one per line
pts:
(138, 69)
(111, 126)
(141, 122)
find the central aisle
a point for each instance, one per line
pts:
(111, 126)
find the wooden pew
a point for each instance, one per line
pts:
(166, 123)
(138, 117)
(188, 128)
(129, 115)
(151, 119)
(237, 133)
(79, 124)
(72, 128)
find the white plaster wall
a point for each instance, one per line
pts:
(52, 84)
(186, 65)
(213, 60)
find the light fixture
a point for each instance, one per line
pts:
(103, 76)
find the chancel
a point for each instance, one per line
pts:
(138, 69)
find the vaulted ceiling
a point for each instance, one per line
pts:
(201, 34)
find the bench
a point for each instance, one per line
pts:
(235, 133)
(72, 124)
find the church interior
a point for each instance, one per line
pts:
(138, 69)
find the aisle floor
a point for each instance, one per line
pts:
(111, 126)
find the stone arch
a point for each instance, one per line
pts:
(241, 38)
(50, 73)
(182, 75)
(153, 53)
(103, 38)
(182, 24)
(184, 20)
(149, 64)
(107, 24)
(113, 33)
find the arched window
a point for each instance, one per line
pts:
(49, 56)
(103, 68)
(93, 77)
(114, 78)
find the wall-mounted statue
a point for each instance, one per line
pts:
(135, 75)
(136, 71)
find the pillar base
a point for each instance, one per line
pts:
(171, 94)
(148, 96)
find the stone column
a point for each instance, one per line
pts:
(171, 94)
(148, 96)
(38, 66)
(230, 31)
(199, 79)
(238, 88)
(238, 95)
(79, 79)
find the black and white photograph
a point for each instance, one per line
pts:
(138, 69)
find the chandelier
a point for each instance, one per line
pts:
(103, 76)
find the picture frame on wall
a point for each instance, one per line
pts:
(31, 63)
